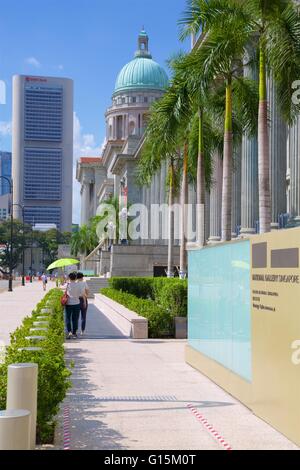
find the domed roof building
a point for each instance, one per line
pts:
(142, 73)
(140, 82)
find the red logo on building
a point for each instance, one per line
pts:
(36, 79)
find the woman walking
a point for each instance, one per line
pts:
(44, 279)
(83, 301)
(74, 291)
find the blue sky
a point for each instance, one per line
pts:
(88, 41)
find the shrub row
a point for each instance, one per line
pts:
(170, 294)
(54, 376)
(160, 322)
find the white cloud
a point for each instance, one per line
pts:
(84, 146)
(5, 128)
(60, 67)
(33, 62)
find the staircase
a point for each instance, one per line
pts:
(95, 284)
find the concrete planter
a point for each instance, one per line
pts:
(181, 328)
(131, 324)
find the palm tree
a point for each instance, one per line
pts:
(205, 136)
(82, 242)
(273, 28)
(218, 62)
(278, 37)
(167, 132)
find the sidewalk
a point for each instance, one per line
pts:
(134, 395)
(16, 305)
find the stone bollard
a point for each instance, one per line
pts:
(35, 339)
(22, 387)
(35, 330)
(30, 349)
(15, 430)
(43, 324)
(47, 311)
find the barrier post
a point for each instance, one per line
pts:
(15, 430)
(22, 386)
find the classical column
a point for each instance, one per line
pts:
(163, 200)
(114, 128)
(294, 158)
(207, 215)
(236, 192)
(249, 184)
(216, 200)
(85, 202)
(278, 157)
(148, 204)
(192, 214)
(154, 201)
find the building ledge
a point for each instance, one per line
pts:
(120, 162)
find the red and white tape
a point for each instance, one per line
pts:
(67, 432)
(209, 427)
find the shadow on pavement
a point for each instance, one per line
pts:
(88, 431)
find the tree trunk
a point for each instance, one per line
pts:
(170, 272)
(200, 191)
(227, 167)
(184, 200)
(263, 150)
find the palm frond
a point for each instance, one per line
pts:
(202, 15)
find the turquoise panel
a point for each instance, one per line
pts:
(219, 305)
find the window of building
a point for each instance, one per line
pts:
(43, 174)
(43, 215)
(43, 114)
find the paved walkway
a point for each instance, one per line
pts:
(134, 395)
(16, 305)
(4, 285)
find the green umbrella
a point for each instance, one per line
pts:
(62, 263)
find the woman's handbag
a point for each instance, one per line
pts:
(65, 298)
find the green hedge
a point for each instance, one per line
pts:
(160, 322)
(169, 294)
(158, 299)
(54, 377)
(140, 287)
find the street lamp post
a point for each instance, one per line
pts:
(10, 282)
(23, 247)
(31, 256)
(31, 251)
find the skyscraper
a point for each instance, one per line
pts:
(42, 162)
(5, 170)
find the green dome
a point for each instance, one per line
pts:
(142, 73)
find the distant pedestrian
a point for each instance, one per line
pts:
(83, 301)
(44, 279)
(74, 292)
